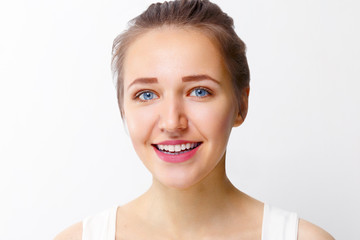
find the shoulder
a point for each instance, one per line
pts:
(308, 230)
(73, 232)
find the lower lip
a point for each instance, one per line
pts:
(178, 158)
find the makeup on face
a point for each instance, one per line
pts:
(178, 104)
(176, 151)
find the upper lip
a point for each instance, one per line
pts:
(174, 142)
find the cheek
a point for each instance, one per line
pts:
(140, 124)
(215, 119)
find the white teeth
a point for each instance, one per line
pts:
(177, 148)
(171, 148)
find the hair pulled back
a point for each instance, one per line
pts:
(198, 14)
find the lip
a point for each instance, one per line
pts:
(175, 158)
(173, 142)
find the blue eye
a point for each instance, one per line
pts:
(146, 96)
(200, 92)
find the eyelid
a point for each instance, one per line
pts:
(204, 88)
(138, 94)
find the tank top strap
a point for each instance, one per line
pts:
(101, 226)
(279, 224)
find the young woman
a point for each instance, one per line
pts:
(183, 84)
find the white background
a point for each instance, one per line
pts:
(63, 151)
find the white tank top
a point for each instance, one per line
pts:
(277, 225)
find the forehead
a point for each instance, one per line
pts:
(172, 51)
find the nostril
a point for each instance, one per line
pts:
(173, 123)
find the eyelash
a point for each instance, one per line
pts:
(209, 92)
(138, 94)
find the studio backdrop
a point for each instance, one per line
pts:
(64, 153)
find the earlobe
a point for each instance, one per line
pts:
(238, 120)
(243, 107)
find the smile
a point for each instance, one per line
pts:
(178, 148)
(176, 151)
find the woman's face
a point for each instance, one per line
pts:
(179, 104)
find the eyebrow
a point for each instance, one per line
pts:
(195, 78)
(143, 80)
(191, 78)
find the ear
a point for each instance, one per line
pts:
(242, 107)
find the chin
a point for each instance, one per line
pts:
(179, 181)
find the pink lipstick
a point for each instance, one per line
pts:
(176, 151)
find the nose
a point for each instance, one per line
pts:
(172, 117)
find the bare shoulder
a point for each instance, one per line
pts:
(308, 230)
(73, 232)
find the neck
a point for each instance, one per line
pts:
(194, 208)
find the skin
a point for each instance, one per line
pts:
(174, 113)
(193, 199)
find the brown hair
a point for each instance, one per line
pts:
(199, 14)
